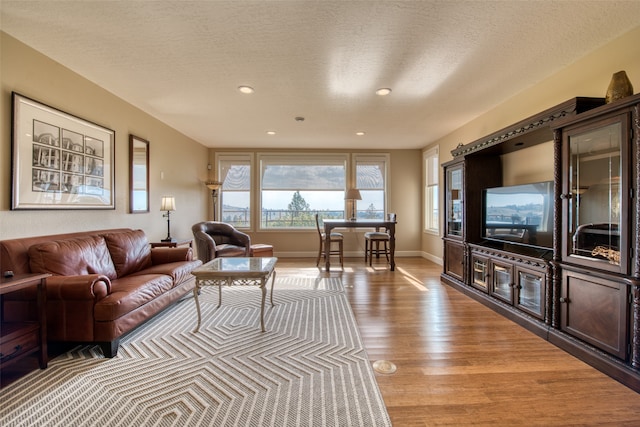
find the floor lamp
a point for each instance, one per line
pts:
(214, 186)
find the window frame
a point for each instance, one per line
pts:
(240, 158)
(383, 158)
(431, 181)
(298, 158)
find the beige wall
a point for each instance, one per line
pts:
(589, 76)
(173, 155)
(532, 164)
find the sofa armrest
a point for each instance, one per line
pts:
(167, 255)
(82, 287)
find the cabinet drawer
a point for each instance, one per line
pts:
(18, 345)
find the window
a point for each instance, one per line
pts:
(294, 187)
(432, 171)
(234, 170)
(371, 179)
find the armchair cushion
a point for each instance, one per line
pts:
(230, 250)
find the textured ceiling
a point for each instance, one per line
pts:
(446, 61)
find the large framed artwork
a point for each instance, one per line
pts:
(59, 161)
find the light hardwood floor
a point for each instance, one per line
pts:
(460, 363)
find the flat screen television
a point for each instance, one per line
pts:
(519, 214)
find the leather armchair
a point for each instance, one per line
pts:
(218, 239)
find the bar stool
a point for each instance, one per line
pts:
(335, 238)
(378, 237)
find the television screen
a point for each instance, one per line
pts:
(520, 214)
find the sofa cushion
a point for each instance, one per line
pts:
(130, 293)
(71, 257)
(179, 271)
(130, 251)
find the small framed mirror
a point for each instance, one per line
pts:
(138, 174)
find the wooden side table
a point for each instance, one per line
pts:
(20, 339)
(174, 244)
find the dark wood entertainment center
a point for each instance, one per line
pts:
(582, 291)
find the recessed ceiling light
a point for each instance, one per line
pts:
(359, 133)
(245, 89)
(383, 91)
(271, 132)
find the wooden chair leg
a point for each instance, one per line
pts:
(366, 249)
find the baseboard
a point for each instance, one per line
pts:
(347, 254)
(432, 258)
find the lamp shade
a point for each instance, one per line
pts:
(168, 203)
(353, 194)
(213, 185)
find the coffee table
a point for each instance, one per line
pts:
(235, 271)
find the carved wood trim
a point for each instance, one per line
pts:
(635, 331)
(556, 279)
(539, 264)
(635, 288)
(537, 123)
(635, 128)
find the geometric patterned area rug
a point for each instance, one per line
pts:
(309, 369)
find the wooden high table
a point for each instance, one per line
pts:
(390, 226)
(235, 271)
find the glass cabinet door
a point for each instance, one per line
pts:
(596, 195)
(530, 293)
(501, 282)
(454, 201)
(480, 266)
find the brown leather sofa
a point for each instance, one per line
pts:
(219, 239)
(103, 284)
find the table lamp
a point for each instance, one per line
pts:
(353, 194)
(168, 204)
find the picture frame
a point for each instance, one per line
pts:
(59, 161)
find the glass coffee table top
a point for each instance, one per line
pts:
(241, 265)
